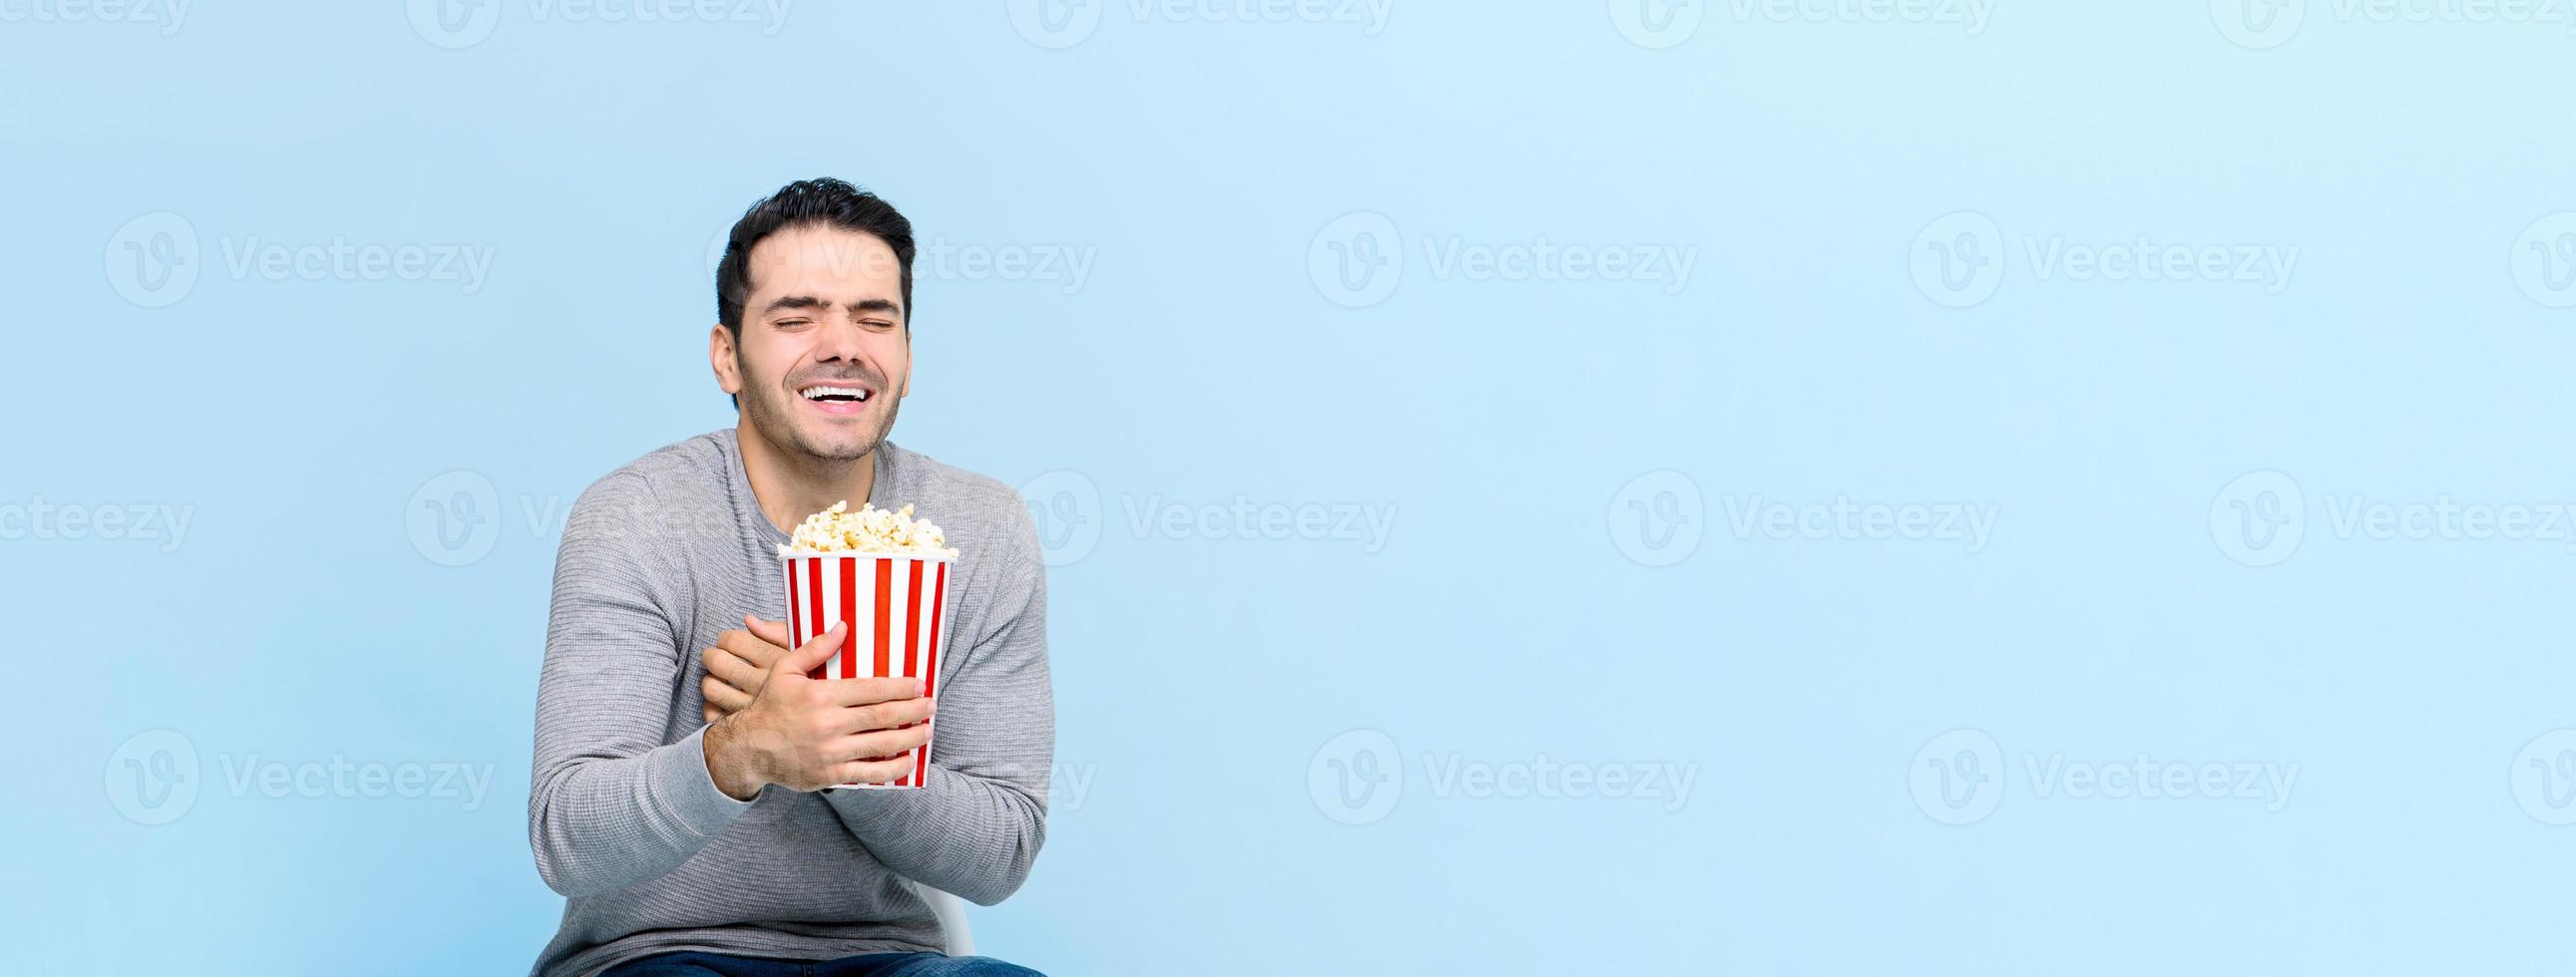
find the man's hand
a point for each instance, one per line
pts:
(738, 663)
(808, 734)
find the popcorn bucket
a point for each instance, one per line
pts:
(894, 606)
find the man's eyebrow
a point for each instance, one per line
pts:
(787, 302)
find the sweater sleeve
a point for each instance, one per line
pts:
(974, 828)
(610, 804)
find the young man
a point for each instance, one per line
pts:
(675, 801)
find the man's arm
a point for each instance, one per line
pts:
(975, 826)
(609, 804)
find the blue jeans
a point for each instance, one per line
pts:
(696, 964)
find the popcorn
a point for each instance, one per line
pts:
(870, 530)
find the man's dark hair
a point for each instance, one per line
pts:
(826, 201)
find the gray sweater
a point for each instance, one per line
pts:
(658, 558)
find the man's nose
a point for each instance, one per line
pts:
(837, 341)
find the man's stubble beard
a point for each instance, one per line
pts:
(772, 417)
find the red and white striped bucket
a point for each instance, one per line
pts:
(895, 607)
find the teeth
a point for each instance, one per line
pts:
(818, 393)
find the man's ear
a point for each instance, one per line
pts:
(721, 356)
(903, 387)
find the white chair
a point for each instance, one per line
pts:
(952, 918)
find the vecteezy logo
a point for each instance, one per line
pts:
(1356, 260)
(152, 777)
(1656, 518)
(152, 260)
(454, 24)
(2544, 260)
(454, 518)
(2544, 777)
(1065, 507)
(716, 250)
(1055, 23)
(1958, 259)
(1958, 778)
(1357, 777)
(2258, 519)
(1655, 24)
(2257, 24)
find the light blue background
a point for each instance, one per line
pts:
(1503, 422)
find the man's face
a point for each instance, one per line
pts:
(824, 359)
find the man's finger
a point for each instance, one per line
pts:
(750, 647)
(812, 654)
(897, 714)
(870, 691)
(729, 668)
(881, 745)
(873, 771)
(722, 697)
(774, 632)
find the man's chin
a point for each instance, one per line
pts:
(787, 436)
(836, 445)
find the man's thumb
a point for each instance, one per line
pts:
(813, 653)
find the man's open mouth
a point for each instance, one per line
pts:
(836, 398)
